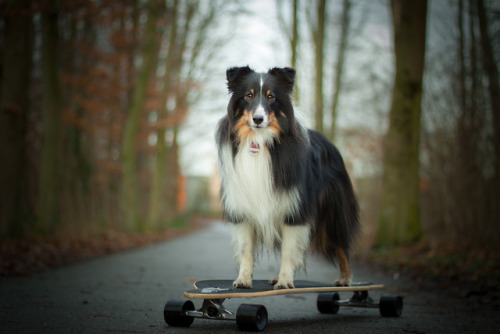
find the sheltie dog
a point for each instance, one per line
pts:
(283, 186)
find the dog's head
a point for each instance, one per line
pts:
(260, 103)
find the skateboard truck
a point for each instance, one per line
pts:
(212, 309)
(359, 299)
(389, 305)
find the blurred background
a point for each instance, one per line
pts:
(108, 109)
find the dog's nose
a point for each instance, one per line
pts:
(257, 119)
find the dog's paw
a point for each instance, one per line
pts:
(343, 281)
(243, 283)
(273, 280)
(284, 284)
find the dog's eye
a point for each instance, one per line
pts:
(249, 96)
(270, 98)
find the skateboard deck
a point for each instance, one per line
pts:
(223, 289)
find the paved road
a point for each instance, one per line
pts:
(126, 293)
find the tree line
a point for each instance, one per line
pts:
(93, 95)
(439, 154)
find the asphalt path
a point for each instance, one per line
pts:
(126, 293)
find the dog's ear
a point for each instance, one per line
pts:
(285, 75)
(235, 74)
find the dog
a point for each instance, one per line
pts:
(284, 187)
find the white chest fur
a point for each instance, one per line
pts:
(249, 191)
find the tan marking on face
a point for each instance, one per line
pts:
(242, 129)
(274, 125)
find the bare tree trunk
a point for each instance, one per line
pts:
(468, 131)
(294, 41)
(48, 191)
(13, 110)
(130, 186)
(399, 220)
(294, 45)
(463, 128)
(293, 38)
(339, 68)
(76, 166)
(491, 70)
(319, 42)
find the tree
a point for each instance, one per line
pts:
(399, 219)
(48, 207)
(191, 35)
(294, 40)
(130, 186)
(293, 37)
(165, 169)
(491, 70)
(339, 67)
(460, 197)
(318, 32)
(86, 152)
(14, 105)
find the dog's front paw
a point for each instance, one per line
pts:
(273, 280)
(243, 283)
(343, 281)
(284, 284)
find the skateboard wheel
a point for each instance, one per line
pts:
(391, 306)
(327, 303)
(175, 313)
(251, 318)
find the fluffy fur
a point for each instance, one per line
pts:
(284, 187)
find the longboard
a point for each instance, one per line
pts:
(223, 289)
(250, 317)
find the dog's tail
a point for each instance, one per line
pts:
(337, 222)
